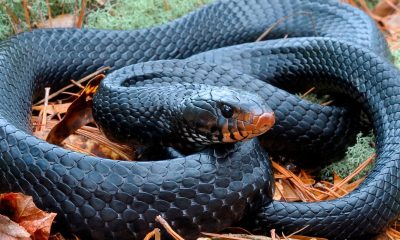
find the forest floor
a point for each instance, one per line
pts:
(332, 181)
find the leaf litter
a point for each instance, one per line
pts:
(59, 110)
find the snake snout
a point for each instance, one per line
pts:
(264, 122)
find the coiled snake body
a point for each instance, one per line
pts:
(207, 191)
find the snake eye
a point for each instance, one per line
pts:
(227, 111)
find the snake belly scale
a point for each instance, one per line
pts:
(210, 190)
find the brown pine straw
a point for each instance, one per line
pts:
(26, 12)
(307, 193)
(155, 233)
(355, 172)
(308, 92)
(295, 180)
(224, 236)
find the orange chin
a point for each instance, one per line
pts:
(259, 125)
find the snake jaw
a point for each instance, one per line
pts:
(256, 126)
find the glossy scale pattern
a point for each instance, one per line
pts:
(210, 190)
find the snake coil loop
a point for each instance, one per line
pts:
(212, 189)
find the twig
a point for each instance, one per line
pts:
(224, 236)
(26, 12)
(295, 180)
(71, 94)
(281, 20)
(296, 232)
(280, 191)
(81, 14)
(46, 103)
(77, 84)
(308, 92)
(273, 234)
(155, 233)
(327, 103)
(355, 172)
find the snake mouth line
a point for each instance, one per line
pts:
(258, 126)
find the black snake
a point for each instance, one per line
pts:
(210, 190)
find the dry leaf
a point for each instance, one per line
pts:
(78, 114)
(384, 8)
(9, 230)
(23, 211)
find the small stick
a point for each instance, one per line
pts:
(155, 233)
(81, 14)
(71, 94)
(296, 232)
(295, 180)
(355, 172)
(327, 103)
(26, 12)
(275, 24)
(308, 92)
(46, 103)
(225, 236)
(77, 84)
(273, 234)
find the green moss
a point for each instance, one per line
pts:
(122, 14)
(355, 155)
(130, 14)
(5, 26)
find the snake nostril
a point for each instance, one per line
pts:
(266, 121)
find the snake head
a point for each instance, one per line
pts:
(224, 115)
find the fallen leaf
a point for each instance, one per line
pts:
(9, 230)
(78, 114)
(22, 210)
